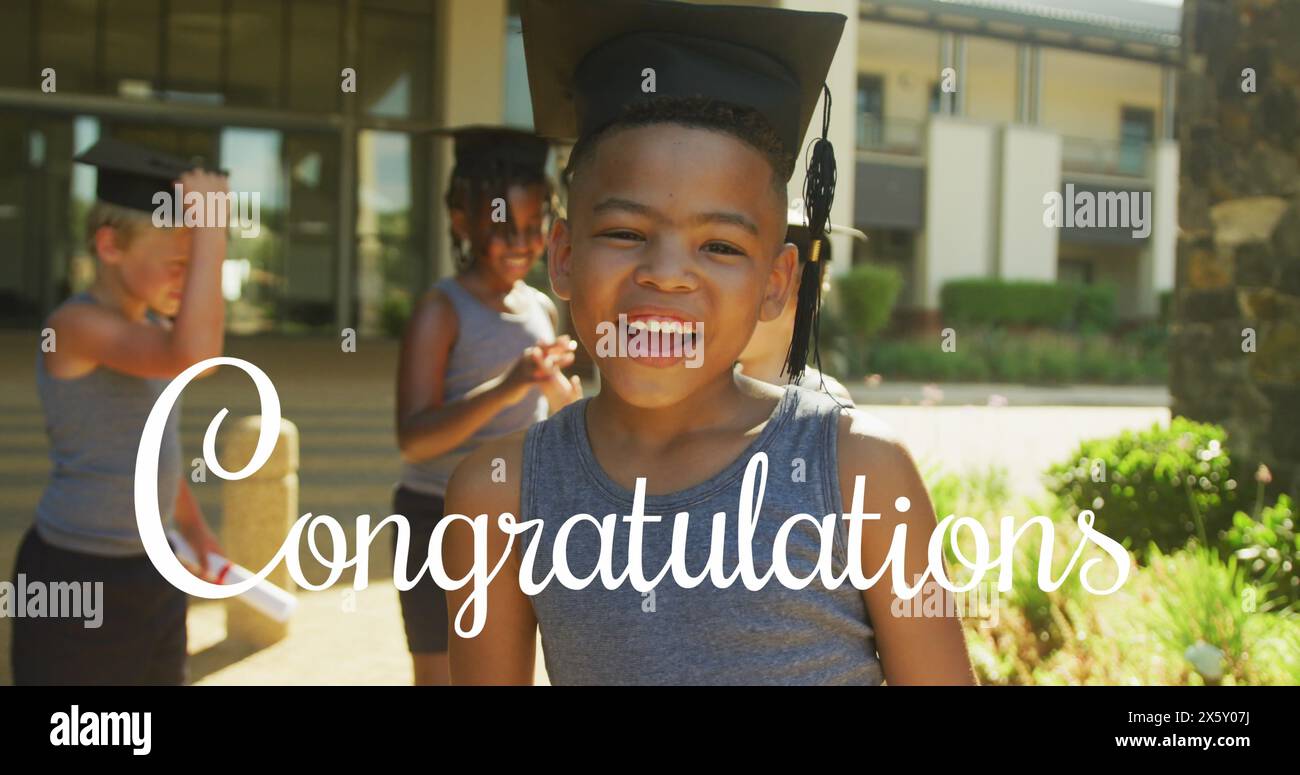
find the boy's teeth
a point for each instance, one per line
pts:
(688, 328)
(639, 325)
(655, 326)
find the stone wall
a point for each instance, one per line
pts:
(1235, 335)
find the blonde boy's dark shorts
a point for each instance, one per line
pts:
(424, 606)
(141, 638)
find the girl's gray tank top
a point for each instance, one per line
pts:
(702, 635)
(487, 343)
(94, 424)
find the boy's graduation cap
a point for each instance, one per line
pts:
(484, 151)
(130, 175)
(587, 62)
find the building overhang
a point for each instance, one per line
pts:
(1046, 23)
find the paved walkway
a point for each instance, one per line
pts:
(984, 394)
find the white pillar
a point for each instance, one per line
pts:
(961, 184)
(1031, 167)
(1156, 262)
(843, 82)
(471, 78)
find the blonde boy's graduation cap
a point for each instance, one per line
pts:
(482, 150)
(130, 175)
(587, 60)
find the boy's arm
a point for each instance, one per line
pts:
(96, 335)
(504, 652)
(916, 649)
(192, 526)
(426, 425)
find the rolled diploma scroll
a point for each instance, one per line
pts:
(264, 596)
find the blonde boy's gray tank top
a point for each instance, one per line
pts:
(703, 635)
(94, 425)
(489, 342)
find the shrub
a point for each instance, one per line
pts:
(992, 302)
(867, 295)
(1094, 307)
(1154, 485)
(393, 315)
(1193, 606)
(1269, 550)
(1028, 303)
(1043, 357)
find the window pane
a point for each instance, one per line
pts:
(254, 70)
(396, 62)
(67, 43)
(519, 103)
(251, 276)
(392, 211)
(309, 278)
(18, 301)
(194, 49)
(315, 31)
(16, 47)
(132, 36)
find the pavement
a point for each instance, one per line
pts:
(342, 403)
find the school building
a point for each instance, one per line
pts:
(322, 107)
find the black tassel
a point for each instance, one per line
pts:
(818, 195)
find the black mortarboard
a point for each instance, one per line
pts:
(130, 175)
(587, 62)
(586, 59)
(485, 151)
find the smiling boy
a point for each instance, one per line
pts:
(677, 214)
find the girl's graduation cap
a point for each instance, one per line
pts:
(130, 175)
(588, 60)
(484, 151)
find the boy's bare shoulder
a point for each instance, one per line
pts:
(490, 476)
(869, 446)
(72, 314)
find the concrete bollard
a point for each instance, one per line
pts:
(257, 513)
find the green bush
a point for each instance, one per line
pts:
(1153, 486)
(1269, 549)
(867, 295)
(1043, 357)
(993, 302)
(1094, 307)
(393, 315)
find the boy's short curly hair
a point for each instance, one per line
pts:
(743, 123)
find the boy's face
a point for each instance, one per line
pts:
(152, 266)
(507, 250)
(677, 224)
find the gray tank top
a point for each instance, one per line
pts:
(94, 424)
(489, 342)
(703, 635)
